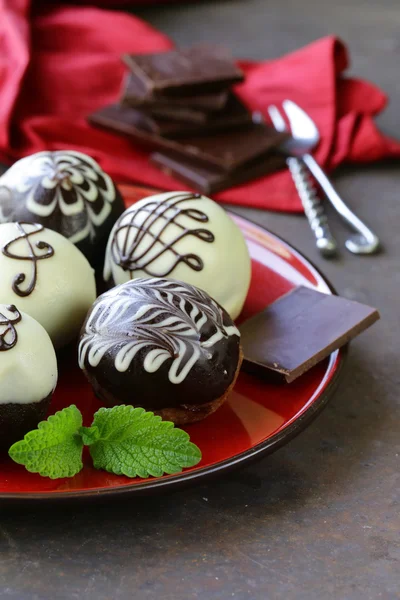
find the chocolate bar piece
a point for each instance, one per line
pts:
(299, 330)
(188, 108)
(209, 181)
(226, 151)
(234, 116)
(186, 71)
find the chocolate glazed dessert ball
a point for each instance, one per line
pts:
(28, 374)
(47, 277)
(181, 236)
(163, 345)
(65, 191)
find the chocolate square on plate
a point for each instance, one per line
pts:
(299, 330)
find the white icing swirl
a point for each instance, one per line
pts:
(74, 183)
(166, 318)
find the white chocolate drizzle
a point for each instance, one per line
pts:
(166, 319)
(75, 184)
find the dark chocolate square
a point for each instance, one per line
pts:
(201, 68)
(209, 181)
(234, 116)
(225, 151)
(300, 329)
(195, 108)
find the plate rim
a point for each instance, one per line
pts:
(207, 473)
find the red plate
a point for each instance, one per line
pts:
(257, 418)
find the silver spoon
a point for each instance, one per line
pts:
(305, 137)
(312, 205)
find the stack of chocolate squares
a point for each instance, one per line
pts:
(180, 105)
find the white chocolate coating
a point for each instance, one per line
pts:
(28, 370)
(181, 236)
(77, 184)
(64, 284)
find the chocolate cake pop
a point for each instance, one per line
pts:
(66, 191)
(47, 277)
(183, 236)
(163, 345)
(28, 374)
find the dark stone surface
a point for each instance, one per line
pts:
(320, 518)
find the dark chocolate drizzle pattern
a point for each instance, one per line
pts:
(8, 333)
(156, 320)
(30, 256)
(65, 183)
(127, 252)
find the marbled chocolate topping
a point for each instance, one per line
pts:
(66, 191)
(46, 251)
(68, 181)
(164, 341)
(8, 332)
(132, 252)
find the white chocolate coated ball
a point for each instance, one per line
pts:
(28, 364)
(66, 191)
(183, 236)
(47, 277)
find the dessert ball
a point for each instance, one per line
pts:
(181, 236)
(65, 191)
(47, 277)
(28, 374)
(163, 345)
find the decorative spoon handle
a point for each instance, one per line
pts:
(365, 241)
(313, 208)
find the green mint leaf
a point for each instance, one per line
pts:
(54, 449)
(90, 435)
(134, 443)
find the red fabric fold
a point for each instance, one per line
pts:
(60, 63)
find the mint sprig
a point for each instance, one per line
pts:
(54, 449)
(130, 441)
(123, 440)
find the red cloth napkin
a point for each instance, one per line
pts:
(58, 64)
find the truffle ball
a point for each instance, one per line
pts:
(183, 236)
(163, 345)
(47, 277)
(28, 373)
(66, 191)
